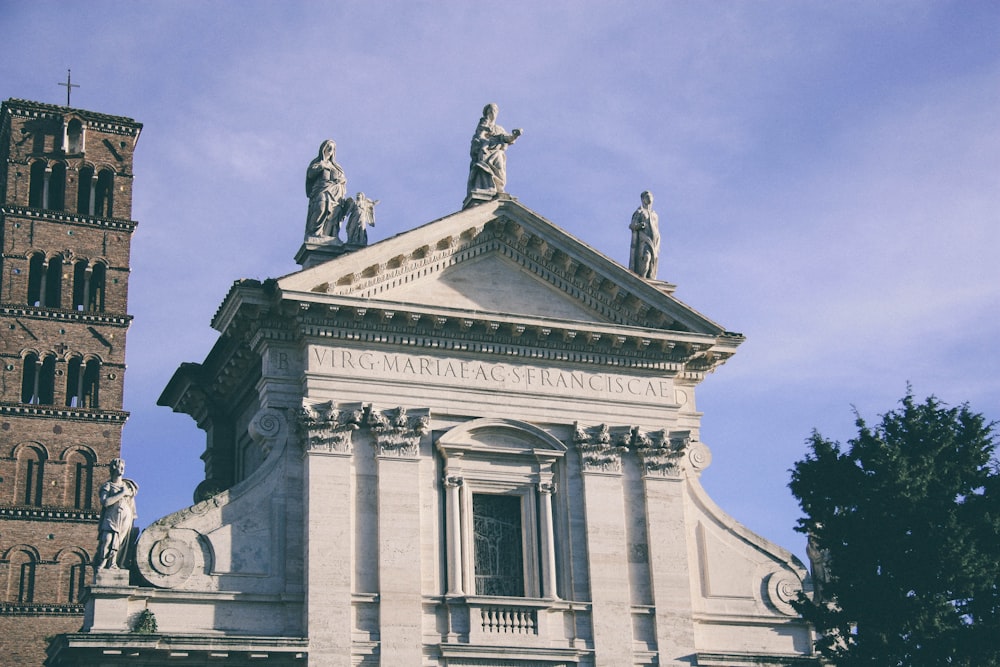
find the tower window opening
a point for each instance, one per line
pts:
(26, 579)
(104, 195)
(53, 283)
(80, 285)
(96, 288)
(85, 192)
(74, 382)
(90, 392)
(36, 186)
(74, 136)
(57, 188)
(36, 273)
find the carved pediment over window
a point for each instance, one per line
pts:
(398, 431)
(328, 426)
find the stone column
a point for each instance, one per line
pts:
(607, 559)
(453, 511)
(546, 491)
(93, 193)
(397, 451)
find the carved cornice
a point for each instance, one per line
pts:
(117, 224)
(69, 414)
(48, 514)
(327, 427)
(8, 609)
(398, 431)
(110, 319)
(101, 121)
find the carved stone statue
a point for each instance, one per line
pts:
(360, 216)
(116, 525)
(326, 186)
(645, 254)
(488, 171)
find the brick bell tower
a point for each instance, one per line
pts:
(65, 235)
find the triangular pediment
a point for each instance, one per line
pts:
(500, 258)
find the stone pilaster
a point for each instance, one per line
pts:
(397, 434)
(600, 450)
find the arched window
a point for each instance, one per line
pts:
(76, 579)
(80, 466)
(57, 188)
(38, 379)
(96, 287)
(85, 192)
(30, 476)
(80, 284)
(104, 197)
(22, 577)
(74, 136)
(36, 187)
(53, 283)
(74, 381)
(90, 393)
(36, 278)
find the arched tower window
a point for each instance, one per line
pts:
(37, 186)
(96, 287)
(90, 394)
(80, 284)
(22, 577)
(36, 278)
(74, 136)
(38, 379)
(53, 283)
(57, 188)
(85, 192)
(73, 570)
(74, 381)
(104, 196)
(30, 476)
(80, 466)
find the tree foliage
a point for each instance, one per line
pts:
(906, 520)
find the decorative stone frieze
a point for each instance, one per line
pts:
(601, 447)
(328, 426)
(398, 431)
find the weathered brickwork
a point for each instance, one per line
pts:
(65, 236)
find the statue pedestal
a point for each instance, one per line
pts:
(317, 249)
(106, 606)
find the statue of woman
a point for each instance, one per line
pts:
(117, 518)
(326, 186)
(488, 171)
(645, 254)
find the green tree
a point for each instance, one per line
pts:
(906, 524)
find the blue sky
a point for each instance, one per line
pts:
(827, 177)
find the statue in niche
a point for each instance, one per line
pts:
(116, 526)
(488, 171)
(644, 257)
(360, 216)
(326, 186)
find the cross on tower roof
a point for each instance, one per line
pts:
(69, 85)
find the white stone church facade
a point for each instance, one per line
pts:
(475, 443)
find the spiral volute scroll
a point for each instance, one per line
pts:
(782, 589)
(268, 428)
(699, 456)
(166, 559)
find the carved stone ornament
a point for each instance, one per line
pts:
(601, 447)
(327, 426)
(661, 452)
(398, 431)
(782, 589)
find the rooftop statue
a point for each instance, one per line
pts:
(360, 216)
(645, 254)
(326, 186)
(488, 171)
(117, 519)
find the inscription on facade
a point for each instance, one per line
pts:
(485, 375)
